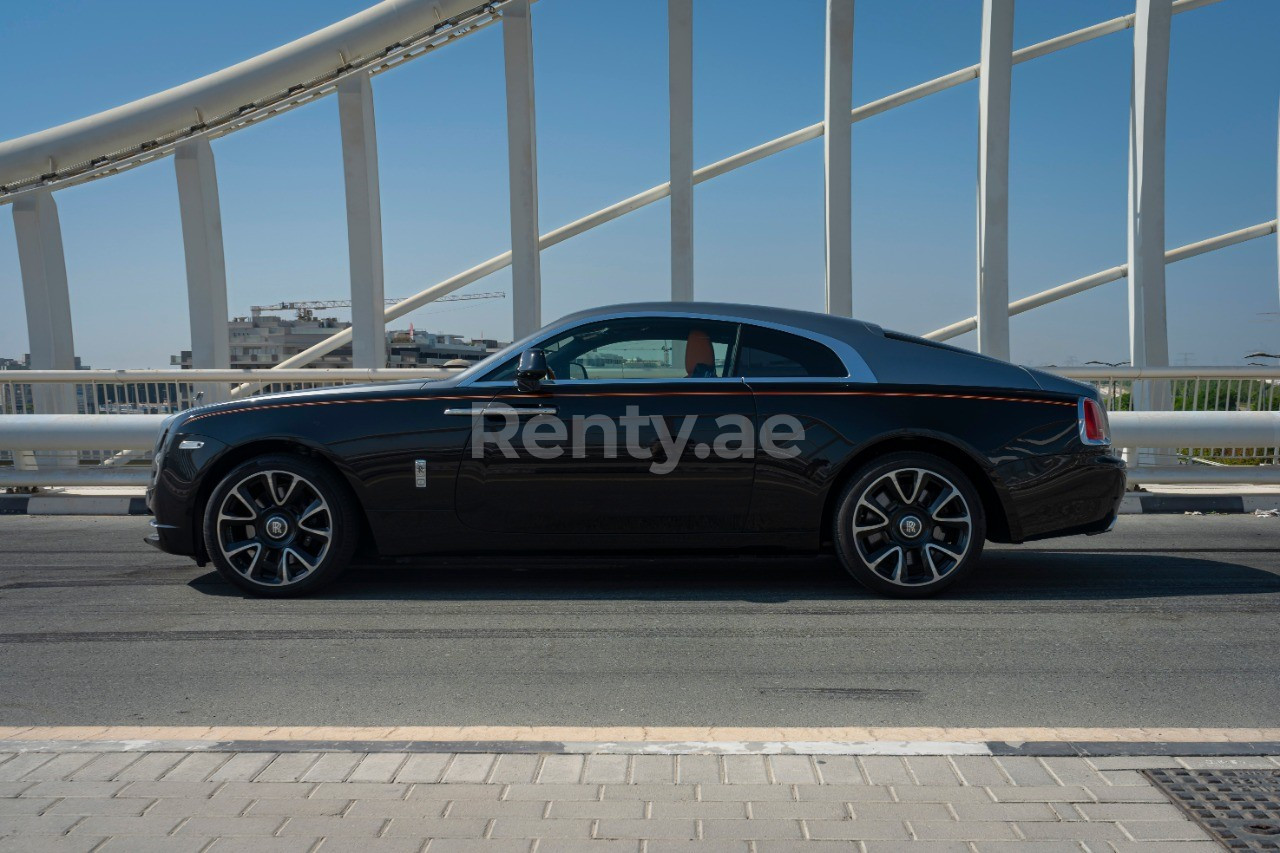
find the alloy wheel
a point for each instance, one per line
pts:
(274, 527)
(912, 526)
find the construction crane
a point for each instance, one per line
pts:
(306, 308)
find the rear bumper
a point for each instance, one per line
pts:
(1066, 495)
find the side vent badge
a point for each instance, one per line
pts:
(420, 473)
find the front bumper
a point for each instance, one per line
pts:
(175, 493)
(169, 538)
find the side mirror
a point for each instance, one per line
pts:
(532, 370)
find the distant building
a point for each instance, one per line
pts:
(25, 364)
(265, 340)
(426, 349)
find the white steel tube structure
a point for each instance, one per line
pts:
(342, 58)
(44, 288)
(1062, 291)
(994, 92)
(65, 434)
(680, 99)
(206, 262)
(364, 222)
(259, 375)
(838, 157)
(75, 477)
(1154, 429)
(1148, 324)
(522, 155)
(72, 432)
(229, 91)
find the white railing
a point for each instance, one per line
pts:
(1225, 427)
(115, 393)
(1229, 391)
(343, 58)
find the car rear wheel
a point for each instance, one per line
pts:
(909, 524)
(280, 525)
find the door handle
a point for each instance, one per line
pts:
(502, 411)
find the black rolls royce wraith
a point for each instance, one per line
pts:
(649, 427)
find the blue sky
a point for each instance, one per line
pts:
(601, 93)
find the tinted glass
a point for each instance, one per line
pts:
(636, 348)
(769, 353)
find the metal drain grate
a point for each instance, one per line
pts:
(1240, 808)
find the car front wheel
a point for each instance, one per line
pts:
(280, 525)
(909, 524)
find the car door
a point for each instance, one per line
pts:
(805, 403)
(633, 435)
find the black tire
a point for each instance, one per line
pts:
(909, 525)
(281, 525)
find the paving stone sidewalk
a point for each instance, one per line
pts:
(554, 803)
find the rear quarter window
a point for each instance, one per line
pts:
(768, 353)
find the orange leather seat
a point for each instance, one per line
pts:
(699, 357)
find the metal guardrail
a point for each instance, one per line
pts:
(1223, 417)
(1195, 389)
(135, 393)
(1129, 429)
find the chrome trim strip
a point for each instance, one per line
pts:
(517, 411)
(158, 526)
(575, 383)
(807, 380)
(500, 410)
(858, 370)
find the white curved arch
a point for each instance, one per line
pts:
(371, 41)
(300, 64)
(731, 163)
(1080, 285)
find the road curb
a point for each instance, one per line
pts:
(1139, 504)
(631, 736)
(1043, 749)
(72, 505)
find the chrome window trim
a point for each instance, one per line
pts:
(561, 383)
(855, 365)
(809, 380)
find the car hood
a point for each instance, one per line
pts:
(316, 395)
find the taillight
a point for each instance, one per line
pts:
(1094, 428)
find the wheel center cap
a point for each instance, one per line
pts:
(910, 526)
(276, 527)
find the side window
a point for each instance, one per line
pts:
(769, 353)
(636, 348)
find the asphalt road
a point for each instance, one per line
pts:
(1169, 620)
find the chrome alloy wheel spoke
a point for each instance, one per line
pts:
(928, 554)
(897, 567)
(313, 509)
(918, 480)
(281, 495)
(299, 556)
(865, 505)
